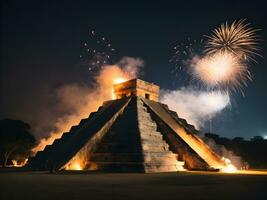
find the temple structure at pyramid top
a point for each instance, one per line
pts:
(137, 87)
(135, 133)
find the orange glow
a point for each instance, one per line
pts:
(119, 80)
(78, 162)
(251, 172)
(74, 166)
(19, 164)
(230, 168)
(105, 80)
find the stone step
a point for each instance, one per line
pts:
(116, 157)
(124, 122)
(155, 147)
(142, 111)
(43, 155)
(116, 166)
(129, 137)
(155, 162)
(152, 134)
(144, 116)
(121, 136)
(152, 139)
(166, 157)
(99, 108)
(92, 114)
(74, 128)
(141, 108)
(148, 130)
(83, 121)
(118, 148)
(124, 137)
(135, 167)
(161, 154)
(56, 141)
(160, 160)
(148, 125)
(154, 168)
(140, 104)
(154, 142)
(66, 134)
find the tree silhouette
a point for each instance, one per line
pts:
(253, 151)
(15, 140)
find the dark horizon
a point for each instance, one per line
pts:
(42, 42)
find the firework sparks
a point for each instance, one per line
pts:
(98, 51)
(222, 70)
(237, 38)
(184, 51)
(228, 49)
(222, 62)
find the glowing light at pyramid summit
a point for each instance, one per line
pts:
(119, 80)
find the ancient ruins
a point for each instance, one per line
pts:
(134, 133)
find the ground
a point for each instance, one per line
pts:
(185, 185)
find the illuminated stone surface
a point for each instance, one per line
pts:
(132, 133)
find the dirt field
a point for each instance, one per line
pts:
(186, 185)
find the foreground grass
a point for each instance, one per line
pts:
(186, 185)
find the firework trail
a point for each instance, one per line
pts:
(97, 51)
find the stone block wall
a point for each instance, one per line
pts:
(137, 87)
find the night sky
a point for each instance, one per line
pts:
(41, 42)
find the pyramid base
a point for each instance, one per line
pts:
(135, 167)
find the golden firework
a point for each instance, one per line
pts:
(237, 38)
(222, 70)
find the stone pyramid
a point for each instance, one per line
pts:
(132, 133)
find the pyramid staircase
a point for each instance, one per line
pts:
(134, 144)
(182, 138)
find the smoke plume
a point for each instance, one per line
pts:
(196, 106)
(224, 153)
(77, 101)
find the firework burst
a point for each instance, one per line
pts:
(222, 61)
(237, 38)
(221, 70)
